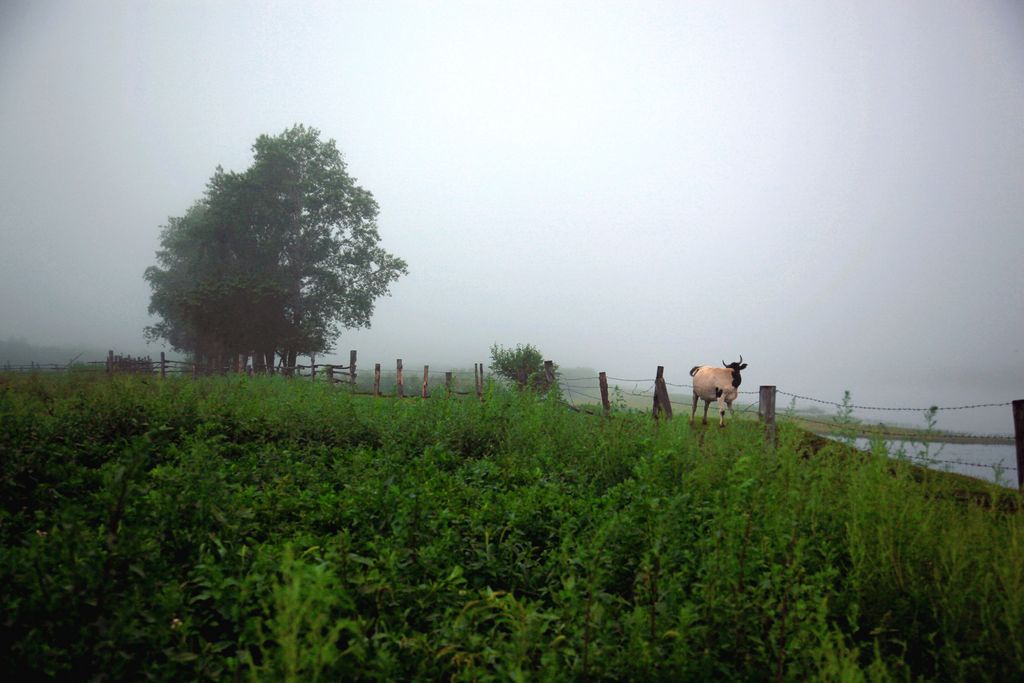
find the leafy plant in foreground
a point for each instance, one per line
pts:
(271, 529)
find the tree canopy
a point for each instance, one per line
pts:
(522, 365)
(274, 260)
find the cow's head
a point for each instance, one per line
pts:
(736, 367)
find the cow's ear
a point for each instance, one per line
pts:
(743, 366)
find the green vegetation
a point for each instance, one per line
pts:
(522, 366)
(267, 529)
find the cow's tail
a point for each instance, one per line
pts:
(694, 369)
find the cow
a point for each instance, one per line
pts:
(716, 384)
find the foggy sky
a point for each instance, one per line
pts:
(833, 189)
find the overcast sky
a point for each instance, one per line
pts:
(833, 189)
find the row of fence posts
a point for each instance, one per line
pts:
(766, 414)
(120, 363)
(117, 363)
(662, 407)
(449, 379)
(479, 382)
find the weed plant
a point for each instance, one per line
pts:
(267, 529)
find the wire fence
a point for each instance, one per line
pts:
(892, 409)
(930, 442)
(578, 392)
(573, 384)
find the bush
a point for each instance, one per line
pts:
(522, 366)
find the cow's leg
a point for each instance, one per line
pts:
(707, 404)
(694, 411)
(721, 408)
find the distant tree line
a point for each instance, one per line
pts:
(273, 261)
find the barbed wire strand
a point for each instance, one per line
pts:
(917, 410)
(926, 460)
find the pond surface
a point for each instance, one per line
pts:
(995, 463)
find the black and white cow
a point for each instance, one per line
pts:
(716, 384)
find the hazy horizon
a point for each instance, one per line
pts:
(834, 190)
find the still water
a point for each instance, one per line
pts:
(995, 463)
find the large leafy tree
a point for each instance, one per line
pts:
(276, 259)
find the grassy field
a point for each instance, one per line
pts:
(266, 529)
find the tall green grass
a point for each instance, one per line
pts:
(266, 529)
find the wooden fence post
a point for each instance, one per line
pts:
(163, 366)
(766, 410)
(448, 382)
(352, 368)
(480, 382)
(662, 404)
(110, 361)
(602, 379)
(426, 377)
(376, 379)
(1018, 431)
(549, 374)
(330, 375)
(399, 384)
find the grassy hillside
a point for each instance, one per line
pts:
(260, 528)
